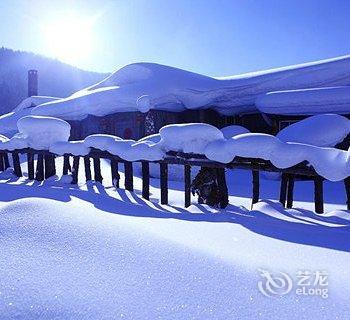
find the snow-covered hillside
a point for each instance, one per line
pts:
(93, 253)
(144, 86)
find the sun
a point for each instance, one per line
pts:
(69, 38)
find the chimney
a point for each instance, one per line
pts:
(32, 83)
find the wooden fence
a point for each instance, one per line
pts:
(46, 168)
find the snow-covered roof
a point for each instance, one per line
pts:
(8, 121)
(144, 86)
(306, 101)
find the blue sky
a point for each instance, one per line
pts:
(215, 37)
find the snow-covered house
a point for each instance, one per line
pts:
(140, 98)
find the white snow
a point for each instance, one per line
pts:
(144, 86)
(76, 148)
(234, 130)
(94, 252)
(188, 137)
(42, 132)
(325, 130)
(306, 101)
(8, 121)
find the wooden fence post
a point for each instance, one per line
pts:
(290, 191)
(50, 168)
(283, 189)
(97, 170)
(75, 169)
(30, 161)
(256, 186)
(66, 165)
(221, 177)
(39, 176)
(145, 179)
(163, 183)
(129, 176)
(347, 190)
(16, 164)
(87, 167)
(2, 166)
(6, 161)
(318, 185)
(115, 173)
(187, 178)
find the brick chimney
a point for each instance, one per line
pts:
(32, 83)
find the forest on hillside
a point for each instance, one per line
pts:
(55, 78)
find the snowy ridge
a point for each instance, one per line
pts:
(145, 86)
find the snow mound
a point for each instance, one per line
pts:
(325, 130)
(189, 137)
(144, 86)
(306, 101)
(34, 101)
(152, 139)
(42, 132)
(76, 148)
(234, 130)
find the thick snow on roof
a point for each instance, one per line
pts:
(8, 121)
(144, 86)
(306, 101)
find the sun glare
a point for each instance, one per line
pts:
(69, 39)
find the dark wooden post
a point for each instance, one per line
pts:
(66, 165)
(115, 173)
(129, 176)
(256, 186)
(221, 178)
(163, 183)
(39, 176)
(30, 161)
(283, 189)
(290, 191)
(16, 164)
(6, 161)
(2, 166)
(347, 190)
(145, 179)
(97, 170)
(50, 168)
(318, 184)
(87, 168)
(75, 169)
(187, 177)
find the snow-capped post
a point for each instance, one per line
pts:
(145, 179)
(290, 191)
(32, 83)
(163, 183)
(115, 173)
(75, 170)
(39, 176)
(129, 176)
(16, 164)
(87, 168)
(256, 186)
(97, 170)
(318, 185)
(30, 161)
(187, 172)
